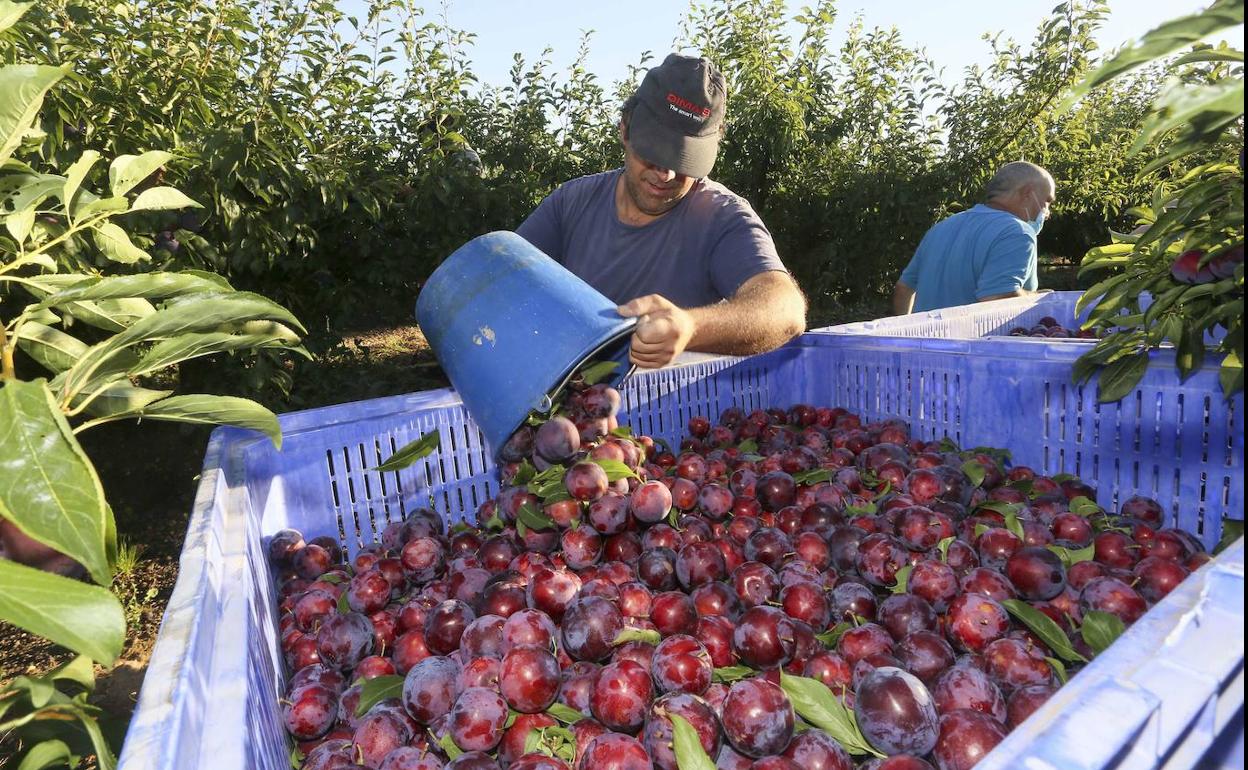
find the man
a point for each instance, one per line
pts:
(987, 252)
(685, 255)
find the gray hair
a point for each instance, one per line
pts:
(1013, 176)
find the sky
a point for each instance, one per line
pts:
(951, 31)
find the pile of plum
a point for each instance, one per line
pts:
(786, 590)
(1049, 327)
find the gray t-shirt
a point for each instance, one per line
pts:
(697, 254)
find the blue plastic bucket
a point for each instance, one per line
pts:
(509, 326)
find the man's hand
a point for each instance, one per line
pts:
(663, 330)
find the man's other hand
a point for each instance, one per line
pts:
(663, 330)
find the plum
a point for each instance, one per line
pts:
(758, 718)
(965, 737)
(896, 712)
(529, 679)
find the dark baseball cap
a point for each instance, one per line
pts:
(676, 114)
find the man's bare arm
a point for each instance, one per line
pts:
(903, 299)
(1015, 293)
(767, 311)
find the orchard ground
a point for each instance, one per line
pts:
(150, 470)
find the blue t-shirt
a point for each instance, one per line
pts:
(975, 254)
(697, 254)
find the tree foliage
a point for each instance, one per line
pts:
(340, 159)
(91, 329)
(1178, 278)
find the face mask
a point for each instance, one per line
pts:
(1037, 222)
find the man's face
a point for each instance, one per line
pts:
(1042, 195)
(652, 189)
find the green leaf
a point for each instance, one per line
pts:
(22, 87)
(1044, 627)
(448, 747)
(1206, 109)
(548, 482)
(85, 618)
(76, 173)
(202, 312)
(816, 703)
(1059, 669)
(1231, 374)
(19, 224)
(1013, 524)
(78, 670)
(377, 689)
(533, 518)
(1209, 55)
(147, 285)
(1026, 486)
(564, 713)
(112, 315)
(343, 607)
(943, 547)
(597, 372)
(27, 190)
(1232, 530)
(126, 171)
(532, 740)
(813, 476)
(185, 347)
(649, 636)
(1101, 629)
(105, 760)
(120, 398)
(49, 753)
(114, 244)
(615, 469)
(975, 472)
(688, 746)
(114, 205)
(1120, 378)
(162, 199)
(1081, 505)
(1000, 506)
(206, 409)
(51, 348)
(49, 488)
(748, 446)
(622, 432)
(1164, 39)
(524, 474)
(903, 577)
(1071, 557)
(411, 452)
(729, 674)
(832, 637)
(38, 690)
(10, 12)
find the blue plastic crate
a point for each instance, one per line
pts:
(982, 319)
(991, 320)
(1166, 693)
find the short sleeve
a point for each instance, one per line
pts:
(543, 228)
(745, 250)
(910, 276)
(1008, 266)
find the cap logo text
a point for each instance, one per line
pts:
(687, 108)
